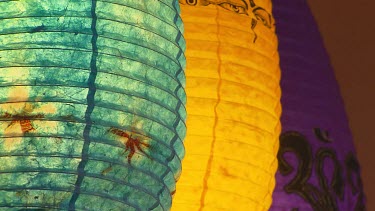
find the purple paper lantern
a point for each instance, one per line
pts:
(318, 169)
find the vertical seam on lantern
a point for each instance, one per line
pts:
(89, 109)
(218, 87)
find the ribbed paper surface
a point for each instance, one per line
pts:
(91, 104)
(233, 107)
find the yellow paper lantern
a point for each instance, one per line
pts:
(233, 106)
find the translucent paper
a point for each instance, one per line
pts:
(318, 168)
(233, 106)
(92, 104)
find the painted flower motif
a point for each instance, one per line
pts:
(133, 143)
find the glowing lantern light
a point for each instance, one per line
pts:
(318, 169)
(92, 104)
(233, 106)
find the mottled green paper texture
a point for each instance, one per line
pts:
(92, 104)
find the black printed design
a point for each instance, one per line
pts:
(355, 182)
(325, 196)
(242, 7)
(322, 135)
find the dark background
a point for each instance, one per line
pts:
(348, 31)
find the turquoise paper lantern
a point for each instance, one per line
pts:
(92, 104)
